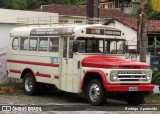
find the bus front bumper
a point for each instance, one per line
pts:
(129, 88)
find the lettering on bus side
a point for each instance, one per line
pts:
(51, 31)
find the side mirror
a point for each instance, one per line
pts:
(125, 48)
(75, 46)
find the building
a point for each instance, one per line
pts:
(126, 6)
(130, 26)
(13, 18)
(73, 14)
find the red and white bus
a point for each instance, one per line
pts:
(77, 58)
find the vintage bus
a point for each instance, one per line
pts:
(87, 59)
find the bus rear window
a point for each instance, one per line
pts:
(15, 43)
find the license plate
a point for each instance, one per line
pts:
(133, 88)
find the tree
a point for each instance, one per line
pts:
(153, 11)
(15, 4)
(143, 31)
(32, 4)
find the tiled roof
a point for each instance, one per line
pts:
(81, 11)
(152, 25)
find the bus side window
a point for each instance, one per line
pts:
(33, 44)
(24, 43)
(54, 45)
(43, 44)
(15, 43)
(71, 47)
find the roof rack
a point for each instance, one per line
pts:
(63, 19)
(38, 21)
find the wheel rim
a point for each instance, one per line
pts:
(28, 84)
(94, 92)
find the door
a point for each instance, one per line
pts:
(67, 65)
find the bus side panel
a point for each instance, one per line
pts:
(41, 66)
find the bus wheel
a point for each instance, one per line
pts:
(135, 98)
(96, 94)
(29, 84)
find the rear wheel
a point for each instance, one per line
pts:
(30, 84)
(135, 98)
(96, 93)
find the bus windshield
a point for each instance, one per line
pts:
(99, 45)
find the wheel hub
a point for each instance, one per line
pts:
(28, 84)
(94, 92)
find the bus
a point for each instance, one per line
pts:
(88, 59)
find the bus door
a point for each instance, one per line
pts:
(67, 65)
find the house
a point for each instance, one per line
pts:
(73, 14)
(130, 27)
(126, 6)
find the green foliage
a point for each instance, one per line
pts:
(156, 76)
(15, 85)
(32, 4)
(151, 14)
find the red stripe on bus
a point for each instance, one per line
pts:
(43, 75)
(56, 77)
(33, 63)
(15, 71)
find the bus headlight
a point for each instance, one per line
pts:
(113, 76)
(148, 76)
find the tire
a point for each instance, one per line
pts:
(30, 85)
(96, 93)
(135, 98)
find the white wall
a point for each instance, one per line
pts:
(131, 35)
(4, 34)
(10, 16)
(131, 38)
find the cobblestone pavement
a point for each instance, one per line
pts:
(65, 103)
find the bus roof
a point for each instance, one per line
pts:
(97, 30)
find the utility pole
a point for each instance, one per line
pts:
(143, 31)
(90, 8)
(97, 8)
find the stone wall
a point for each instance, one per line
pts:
(3, 66)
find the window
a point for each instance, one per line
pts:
(97, 45)
(77, 21)
(65, 47)
(33, 44)
(88, 45)
(71, 47)
(24, 43)
(43, 44)
(54, 45)
(115, 46)
(15, 43)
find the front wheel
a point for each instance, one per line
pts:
(29, 84)
(96, 93)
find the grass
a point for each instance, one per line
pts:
(17, 86)
(152, 99)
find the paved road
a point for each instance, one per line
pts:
(66, 103)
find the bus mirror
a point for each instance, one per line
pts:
(126, 48)
(75, 46)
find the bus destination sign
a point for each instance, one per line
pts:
(103, 32)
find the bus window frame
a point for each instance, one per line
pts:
(13, 42)
(104, 45)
